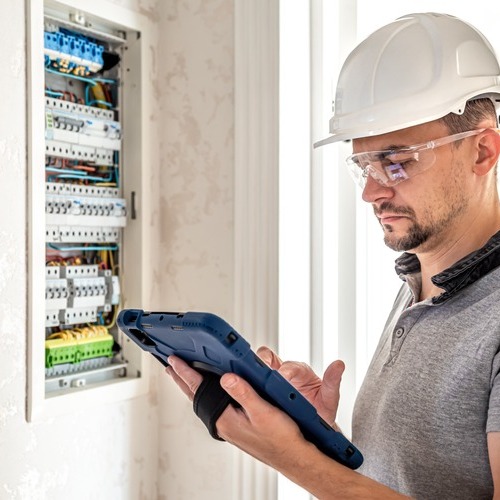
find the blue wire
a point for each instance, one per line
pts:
(70, 75)
(106, 80)
(80, 173)
(98, 101)
(87, 94)
(51, 92)
(88, 178)
(82, 249)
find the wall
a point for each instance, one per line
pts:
(150, 447)
(196, 111)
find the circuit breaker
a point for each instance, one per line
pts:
(87, 60)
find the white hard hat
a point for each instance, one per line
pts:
(414, 70)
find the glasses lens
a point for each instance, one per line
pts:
(389, 167)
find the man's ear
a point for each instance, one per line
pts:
(488, 151)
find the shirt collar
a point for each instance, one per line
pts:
(462, 274)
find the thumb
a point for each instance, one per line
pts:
(332, 377)
(239, 389)
(330, 390)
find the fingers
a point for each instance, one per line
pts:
(323, 394)
(184, 376)
(295, 371)
(184, 388)
(257, 425)
(269, 357)
(288, 369)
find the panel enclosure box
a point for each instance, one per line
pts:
(86, 206)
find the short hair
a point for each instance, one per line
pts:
(476, 110)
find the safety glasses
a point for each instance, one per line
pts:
(392, 166)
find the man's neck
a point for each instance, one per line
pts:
(451, 250)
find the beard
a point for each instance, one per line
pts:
(420, 235)
(416, 236)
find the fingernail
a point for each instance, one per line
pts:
(267, 359)
(229, 381)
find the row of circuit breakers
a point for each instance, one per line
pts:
(84, 210)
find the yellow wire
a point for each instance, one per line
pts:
(81, 333)
(111, 259)
(113, 321)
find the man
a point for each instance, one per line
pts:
(417, 99)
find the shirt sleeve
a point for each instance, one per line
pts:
(493, 422)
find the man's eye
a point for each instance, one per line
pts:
(403, 163)
(403, 158)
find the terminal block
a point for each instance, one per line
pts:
(71, 53)
(74, 348)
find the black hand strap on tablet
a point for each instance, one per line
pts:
(210, 400)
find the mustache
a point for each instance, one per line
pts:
(387, 206)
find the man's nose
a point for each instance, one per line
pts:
(374, 191)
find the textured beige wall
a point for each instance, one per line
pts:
(149, 447)
(195, 62)
(196, 266)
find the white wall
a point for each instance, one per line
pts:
(483, 14)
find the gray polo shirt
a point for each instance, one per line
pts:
(432, 391)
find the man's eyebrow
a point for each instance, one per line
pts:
(397, 146)
(390, 147)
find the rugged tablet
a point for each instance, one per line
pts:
(208, 343)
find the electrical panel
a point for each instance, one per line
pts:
(87, 60)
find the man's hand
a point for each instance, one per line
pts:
(270, 435)
(258, 420)
(323, 394)
(184, 376)
(258, 427)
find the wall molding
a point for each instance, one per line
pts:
(256, 200)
